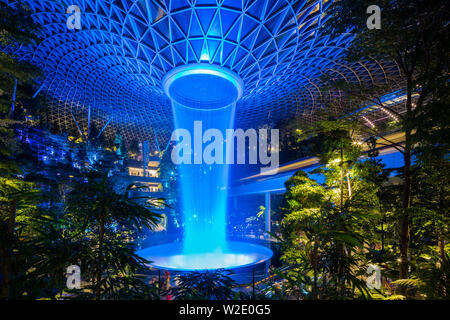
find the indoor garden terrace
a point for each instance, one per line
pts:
(224, 150)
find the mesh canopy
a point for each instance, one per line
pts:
(115, 64)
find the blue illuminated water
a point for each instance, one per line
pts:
(203, 187)
(172, 256)
(204, 97)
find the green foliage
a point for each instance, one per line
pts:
(207, 285)
(104, 218)
(94, 196)
(414, 35)
(17, 29)
(357, 208)
(326, 224)
(396, 297)
(17, 197)
(96, 231)
(434, 277)
(410, 287)
(331, 230)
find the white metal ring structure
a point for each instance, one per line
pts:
(203, 86)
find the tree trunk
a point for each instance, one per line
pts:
(100, 256)
(441, 229)
(406, 197)
(341, 180)
(8, 252)
(315, 267)
(341, 248)
(441, 244)
(404, 221)
(382, 233)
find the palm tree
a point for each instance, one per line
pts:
(206, 285)
(106, 219)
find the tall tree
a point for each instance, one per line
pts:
(432, 139)
(17, 28)
(414, 35)
(97, 210)
(327, 222)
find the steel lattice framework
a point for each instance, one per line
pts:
(111, 69)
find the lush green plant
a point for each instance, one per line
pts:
(102, 217)
(207, 285)
(96, 232)
(434, 275)
(326, 225)
(414, 35)
(17, 28)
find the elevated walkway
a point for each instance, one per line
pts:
(275, 184)
(263, 183)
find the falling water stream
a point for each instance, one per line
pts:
(203, 98)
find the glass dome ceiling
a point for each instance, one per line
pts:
(111, 70)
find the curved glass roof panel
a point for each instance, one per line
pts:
(114, 65)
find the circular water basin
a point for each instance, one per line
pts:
(234, 254)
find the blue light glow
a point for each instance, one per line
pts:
(266, 56)
(206, 94)
(115, 64)
(203, 186)
(203, 86)
(236, 254)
